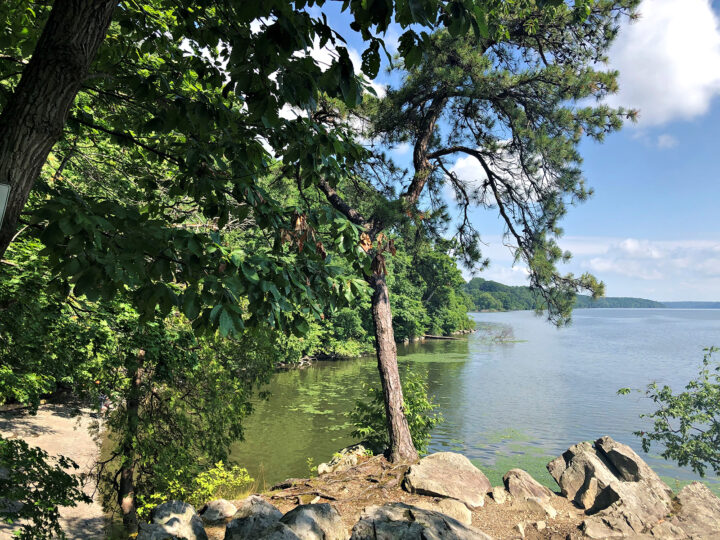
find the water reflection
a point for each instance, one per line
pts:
(507, 403)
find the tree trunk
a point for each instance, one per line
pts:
(402, 448)
(33, 119)
(126, 489)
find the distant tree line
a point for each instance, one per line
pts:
(487, 295)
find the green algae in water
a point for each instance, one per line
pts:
(508, 434)
(530, 462)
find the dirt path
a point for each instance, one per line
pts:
(59, 431)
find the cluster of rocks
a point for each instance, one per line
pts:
(620, 495)
(623, 496)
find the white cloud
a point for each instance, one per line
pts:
(669, 61)
(666, 141)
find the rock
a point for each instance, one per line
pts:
(343, 460)
(290, 482)
(521, 485)
(276, 531)
(448, 474)
(540, 525)
(153, 531)
(254, 515)
(399, 521)
(178, 519)
(315, 522)
(612, 483)
(520, 528)
(450, 507)
(499, 494)
(699, 512)
(539, 506)
(218, 510)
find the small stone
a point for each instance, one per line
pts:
(450, 507)
(520, 528)
(499, 494)
(533, 504)
(315, 522)
(521, 485)
(540, 525)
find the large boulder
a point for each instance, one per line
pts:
(699, 512)
(253, 517)
(523, 486)
(218, 510)
(343, 460)
(399, 521)
(448, 474)
(450, 507)
(177, 519)
(315, 522)
(621, 492)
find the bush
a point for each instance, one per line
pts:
(215, 483)
(368, 417)
(687, 424)
(32, 486)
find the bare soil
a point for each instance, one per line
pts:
(62, 430)
(375, 481)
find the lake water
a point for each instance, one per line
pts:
(517, 403)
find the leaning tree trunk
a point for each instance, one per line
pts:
(402, 448)
(126, 489)
(33, 119)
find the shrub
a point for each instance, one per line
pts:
(368, 417)
(215, 483)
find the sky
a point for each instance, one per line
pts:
(652, 228)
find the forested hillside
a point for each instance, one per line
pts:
(494, 296)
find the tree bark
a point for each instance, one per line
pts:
(402, 448)
(126, 489)
(33, 119)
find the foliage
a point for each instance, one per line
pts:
(687, 424)
(494, 296)
(33, 485)
(218, 482)
(518, 107)
(370, 422)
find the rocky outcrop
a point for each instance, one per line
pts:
(315, 522)
(698, 515)
(398, 521)
(523, 486)
(252, 518)
(448, 474)
(217, 510)
(620, 491)
(343, 460)
(173, 519)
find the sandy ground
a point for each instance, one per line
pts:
(59, 431)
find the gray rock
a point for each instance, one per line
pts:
(218, 510)
(621, 492)
(398, 521)
(343, 460)
(276, 531)
(252, 518)
(448, 474)
(153, 531)
(699, 512)
(450, 507)
(521, 485)
(315, 522)
(179, 519)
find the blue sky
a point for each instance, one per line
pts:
(652, 229)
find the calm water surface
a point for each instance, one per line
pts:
(508, 404)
